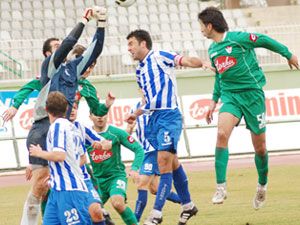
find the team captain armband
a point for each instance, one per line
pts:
(178, 59)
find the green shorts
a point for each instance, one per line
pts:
(110, 187)
(248, 104)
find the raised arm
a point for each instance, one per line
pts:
(20, 97)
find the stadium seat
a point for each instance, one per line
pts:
(167, 46)
(184, 17)
(27, 15)
(16, 25)
(112, 20)
(165, 36)
(59, 23)
(152, 10)
(154, 28)
(132, 10)
(177, 46)
(38, 14)
(4, 35)
(173, 8)
(36, 4)
(5, 6)
(38, 33)
(79, 4)
(127, 60)
(175, 27)
(174, 17)
(113, 31)
(5, 25)
(123, 21)
(193, 7)
(48, 4)
(27, 25)
(26, 55)
(165, 27)
(183, 7)
(48, 32)
(143, 19)
(16, 15)
(133, 19)
(48, 23)
(154, 19)
(38, 24)
(164, 18)
(122, 11)
(198, 44)
(185, 26)
(69, 22)
(142, 9)
(26, 5)
(27, 34)
(69, 4)
(163, 8)
(15, 5)
(49, 14)
(58, 4)
(59, 13)
(114, 50)
(5, 15)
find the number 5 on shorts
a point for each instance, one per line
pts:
(261, 118)
(121, 184)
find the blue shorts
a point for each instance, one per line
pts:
(38, 136)
(164, 129)
(150, 166)
(67, 207)
(93, 194)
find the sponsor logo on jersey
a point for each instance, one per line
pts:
(253, 37)
(99, 156)
(130, 139)
(228, 49)
(224, 63)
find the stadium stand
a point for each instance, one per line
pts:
(173, 24)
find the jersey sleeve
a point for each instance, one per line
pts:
(167, 58)
(91, 53)
(89, 92)
(59, 140)
(257, 40)
(25, 91)
(129, 142)
(91, 136)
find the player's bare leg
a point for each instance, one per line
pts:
(39, 189)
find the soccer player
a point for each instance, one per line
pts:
(155, 76)
(57, 76)
(68, 200)
(109, 170)
(239, 84)
(149, 172)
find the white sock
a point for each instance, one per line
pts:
(31, 210)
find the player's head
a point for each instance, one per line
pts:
(50, 46)
(73, 115)
(139, 44)
(98, 121)
(56, 104)
(76, 52)
(212, 20)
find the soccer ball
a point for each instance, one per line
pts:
(125, 3)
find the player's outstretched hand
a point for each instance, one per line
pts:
(130, 118)
(209, 114)
(207, 65)
(110, 99)
(134, 175)
(88, 14)
(105, 145)
(293, 61)
(9, 113)
(100, 14)
(28, 172)
(35, 150)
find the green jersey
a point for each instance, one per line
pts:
(234, 58)
(108, 164)
(85, 88)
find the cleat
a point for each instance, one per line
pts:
(220, 194)
(260, 196)
(108, 219)
(153, 219)
(187, 214)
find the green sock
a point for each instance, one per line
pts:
(128, 217)
(44, 203)
(262, 167)
(221, 161)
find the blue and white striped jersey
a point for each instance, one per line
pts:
(155, 76)
(88, 136)
(66, 175)
(141, 123)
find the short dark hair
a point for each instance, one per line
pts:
(78, 50)
(47, 46)
(215, 17)
(141, 35)
(56, 104)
